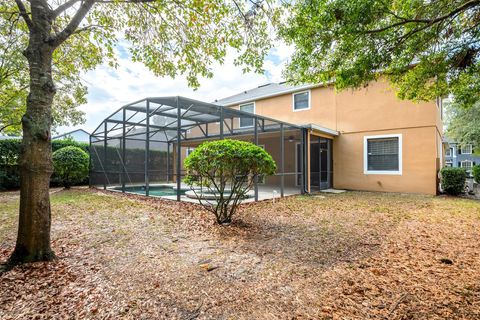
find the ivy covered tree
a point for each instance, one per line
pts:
(225, 171)
(169, 37)
(428, 49)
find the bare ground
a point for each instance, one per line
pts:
(348, 256)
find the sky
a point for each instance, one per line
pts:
(110, 88)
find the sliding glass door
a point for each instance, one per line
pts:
(321, 164)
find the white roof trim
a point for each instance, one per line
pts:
(274, 94)
(321, 129)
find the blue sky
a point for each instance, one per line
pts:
(109, 89)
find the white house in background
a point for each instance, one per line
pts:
(9, 137)
(460, 156)
(78, 135)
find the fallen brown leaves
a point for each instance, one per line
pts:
(349, 256)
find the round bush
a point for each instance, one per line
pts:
(453, 180)
(227, 168)
(476, 173)
(70, 166)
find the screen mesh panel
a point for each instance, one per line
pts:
(142, 146)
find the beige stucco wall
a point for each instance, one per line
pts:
(281, 108)
(375, 107)
(418, 159)
(373, 110)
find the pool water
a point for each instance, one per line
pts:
(158, 191)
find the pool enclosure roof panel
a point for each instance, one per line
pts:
(164, 113)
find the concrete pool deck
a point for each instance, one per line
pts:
(264, 192)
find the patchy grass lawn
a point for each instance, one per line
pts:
(348, 256)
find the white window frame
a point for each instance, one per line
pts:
(463, 150)
(465, 161)
(448, 152)
(189, 150)
(309, 100)
(450, 162)
(254, 111)
(400, 154)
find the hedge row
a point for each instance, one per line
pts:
(134, 161)
(10, 152)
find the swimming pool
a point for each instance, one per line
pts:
(158, 191)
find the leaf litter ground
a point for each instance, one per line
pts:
(356, 255)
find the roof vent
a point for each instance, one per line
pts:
(265, 85)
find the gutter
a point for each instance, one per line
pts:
(321, 129)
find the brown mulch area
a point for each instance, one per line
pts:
(347, 256)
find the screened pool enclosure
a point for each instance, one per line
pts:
(140, 148)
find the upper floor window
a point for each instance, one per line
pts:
(383, 154)
(301, 101)
(247, 121)
(466, 149)
(467, 165)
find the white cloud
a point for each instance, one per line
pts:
(109, 88)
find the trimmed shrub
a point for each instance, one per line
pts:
(70, 165)
(227, 170)
(453, 180)
(9, 178)
(9, 153)
(476, 173)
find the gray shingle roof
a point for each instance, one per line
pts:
(69, 133)
(264, 91)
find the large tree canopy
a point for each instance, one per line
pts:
(14, 77)
(170, 37)
(427, 48)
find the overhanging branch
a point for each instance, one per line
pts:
(24, 14)
(61, 8)
(427, 22)
(8, 125)
(74, 23)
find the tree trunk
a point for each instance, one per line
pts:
(33, 240)
(223, 216)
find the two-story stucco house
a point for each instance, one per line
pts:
(366, 139)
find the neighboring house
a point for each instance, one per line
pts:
(365, 139)
(78, 135)
(460, 156)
